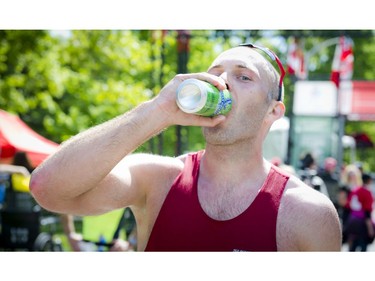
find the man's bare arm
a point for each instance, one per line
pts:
(79, 175)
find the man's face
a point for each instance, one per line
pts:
(244, 71)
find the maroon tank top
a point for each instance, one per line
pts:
(182, 224)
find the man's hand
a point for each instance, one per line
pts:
(119, 246)
(166, 101)
(75, 240)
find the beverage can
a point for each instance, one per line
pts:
(199, 97)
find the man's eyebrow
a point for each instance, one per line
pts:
(242, 66)
(219, 66)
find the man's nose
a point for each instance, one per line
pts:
(224, 76)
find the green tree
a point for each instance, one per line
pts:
(26, 72)
(68, 85)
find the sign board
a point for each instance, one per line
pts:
(315, 98)
(359, 100)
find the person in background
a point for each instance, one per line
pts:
(308, 173)
(21, 159)
(15, 180)
(351, 177)
(359, 228)
(19, 164)
(329, 175)
(280, 163)
(116, 230)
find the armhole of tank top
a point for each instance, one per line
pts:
(190, 163)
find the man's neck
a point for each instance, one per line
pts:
(229, 180)
(240, 162)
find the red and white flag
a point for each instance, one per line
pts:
(296, 59)
(343, 60)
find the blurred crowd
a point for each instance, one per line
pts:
(350, 188)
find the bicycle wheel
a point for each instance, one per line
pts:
(45, 243)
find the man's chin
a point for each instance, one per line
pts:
(216, 136)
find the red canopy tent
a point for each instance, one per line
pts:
(15, 135)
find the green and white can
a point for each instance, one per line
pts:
(198, 97)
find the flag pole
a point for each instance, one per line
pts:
(317, 48)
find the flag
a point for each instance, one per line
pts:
(296, 59)
(342, 65)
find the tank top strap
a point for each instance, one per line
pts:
(275, 183)
(195, 160)
(189, 175)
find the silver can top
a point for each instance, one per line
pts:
(191, 95)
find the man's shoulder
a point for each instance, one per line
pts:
(300, 195)
(154, 167)
(305, 204)
(304, 210)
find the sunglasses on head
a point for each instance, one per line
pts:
(273, 57)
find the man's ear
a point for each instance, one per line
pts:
(277, 110)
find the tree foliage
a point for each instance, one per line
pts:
(61, 85)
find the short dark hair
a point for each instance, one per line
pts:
(366, 178)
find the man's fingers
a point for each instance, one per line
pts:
(206, 121)
(204, 76)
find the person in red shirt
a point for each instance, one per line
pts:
(359, 227)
